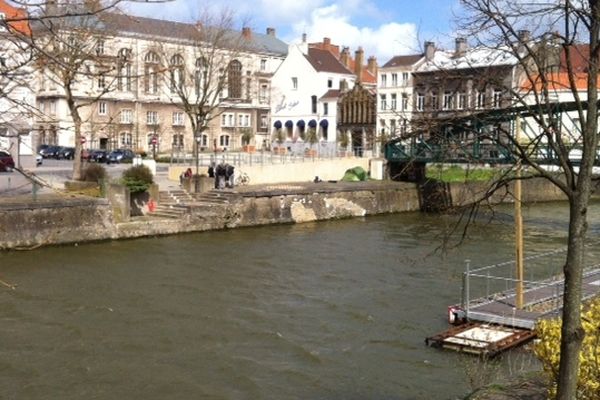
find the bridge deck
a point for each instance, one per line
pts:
(540, 302)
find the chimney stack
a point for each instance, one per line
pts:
(359, 60)
(460, 46)
(326, 41)
(372, 65)
(429, 50)
(345, 57)
(271, 31)
(524, 35)
(304, 38)
(247, 32)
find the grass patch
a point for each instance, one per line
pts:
(454, 174)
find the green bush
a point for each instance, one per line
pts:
(93, 173)
(137, 178)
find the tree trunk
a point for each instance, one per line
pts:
(77, 153)
(571, 330)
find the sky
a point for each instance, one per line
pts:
(383, 28)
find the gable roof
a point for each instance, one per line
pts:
(400, 61)
(20, 23)
(186, 31)
(325, 61)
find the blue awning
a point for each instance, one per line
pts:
(324, 123)
(289, 124)
(312, 123)
(277, 124)
(300, 124)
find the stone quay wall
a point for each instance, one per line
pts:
(30, 224)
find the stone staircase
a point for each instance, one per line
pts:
(172, 204)
(176, 203)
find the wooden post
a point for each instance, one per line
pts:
(518, 225)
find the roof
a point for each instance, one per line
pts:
(325, 61)
(559, 82)
(366, 75)
(579, 55)
(332, 94)
(179, 30)
(399, 61)
(476, 57)
(21, 25)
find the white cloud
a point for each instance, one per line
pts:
(383, 41)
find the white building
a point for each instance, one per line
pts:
(305, 89)
(395, 95)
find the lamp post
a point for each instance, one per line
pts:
(198, 140)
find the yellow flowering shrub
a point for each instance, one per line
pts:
(547, 349)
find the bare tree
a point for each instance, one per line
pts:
(212, 80)
(552, 52)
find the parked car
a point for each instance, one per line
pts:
(98, 156)
(38, 160)
(50, 151)
(6, 161)
(120, 155)
(65, 153)
(86, 154)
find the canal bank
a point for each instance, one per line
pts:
(58, 220)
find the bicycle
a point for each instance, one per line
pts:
(242, 179)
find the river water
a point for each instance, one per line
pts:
(330, 310)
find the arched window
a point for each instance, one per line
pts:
(151, 72)
(234, 79)
(176, 68)
(200, 75)
(124, 70)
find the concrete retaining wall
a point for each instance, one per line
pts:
(55, 222)
(292, 172)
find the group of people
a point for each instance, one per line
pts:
(223, 174)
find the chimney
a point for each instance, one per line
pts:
(326, 41)
(345, 57)
(429, 50)
(460, 46)
(247, 32)
(304, 38)
(359, 60)
(271, 32)
(372, 65)
(524, 35)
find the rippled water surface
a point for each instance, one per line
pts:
(334, 310)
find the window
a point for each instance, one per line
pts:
(125, 139)
(151, 118)
(178, 118)
(124, 70)
(479, 100)
(244, 120)
(420, 101)
(126, 116)
(101, 82)
(52, 107)
(313, 102)
(263, 121)
(393, 126)
(100, 47)
(178, 140)
(2, 17)
(295, 83)
(405, 78)
(448, 101)
(329, 83)
(462, 101)
(228, 120)
(497, 99)
(263, 64)
(434, 101)
(176, 73)
(204, 140)
(200, 75)
(383, 80)
(151, 72)
(394, 80)
(325, 108)
(393, 101)
(234, 79)
(404, 101)
(383, 102)
(263, 94)
(224, 140)
(102, 108)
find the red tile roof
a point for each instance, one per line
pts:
(18, 16)
(331, 94)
